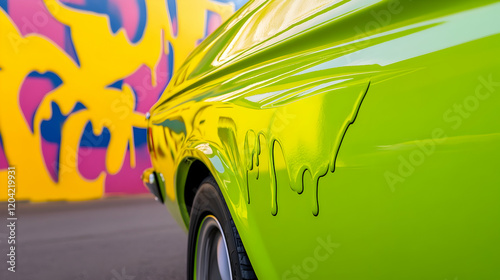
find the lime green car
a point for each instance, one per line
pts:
(337, 140)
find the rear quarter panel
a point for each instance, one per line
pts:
(360, 141)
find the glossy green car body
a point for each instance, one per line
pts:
(350, 139)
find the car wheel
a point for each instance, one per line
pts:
(215, 250)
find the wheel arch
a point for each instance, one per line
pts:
(208, 156)
(194, 166)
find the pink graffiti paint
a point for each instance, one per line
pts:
(3, 159)
(91, 162)
(32, 92)
(127, 180)
(175, 28)
(32, 16)
(140, 81)
(50, 152)
(129, 11)
(214, 21)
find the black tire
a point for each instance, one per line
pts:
(210, 202)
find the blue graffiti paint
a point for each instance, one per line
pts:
(101, 7)
(170, 60)
(172, 11)
(69, 46)
(4, 4)
(237, 3)
(54, 79)
(89, 139)
(115, 17)
(78, 106)
(140, 137)
(118, 84)
(141, 26)
(51, 131)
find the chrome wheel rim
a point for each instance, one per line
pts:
(212, 257)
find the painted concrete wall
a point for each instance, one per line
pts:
(76, 79)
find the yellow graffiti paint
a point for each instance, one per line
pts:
(104, 58)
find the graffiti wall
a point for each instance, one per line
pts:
(76, 79)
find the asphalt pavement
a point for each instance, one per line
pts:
(118, 238)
